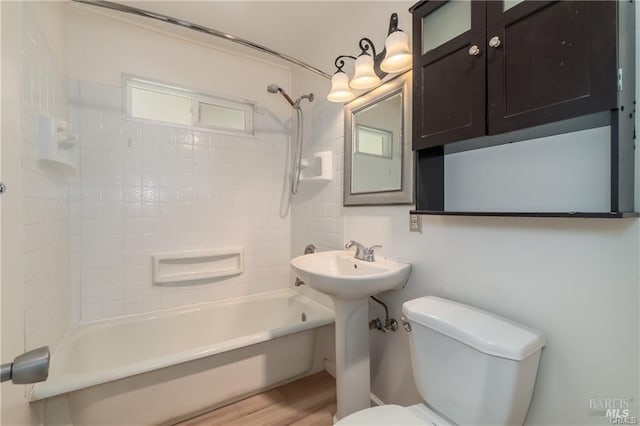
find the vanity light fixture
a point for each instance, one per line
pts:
(370, 67)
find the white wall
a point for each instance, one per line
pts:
(145, 189)
(574, 279)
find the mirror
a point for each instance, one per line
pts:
(378, 163)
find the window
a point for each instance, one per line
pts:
(372, 141)
(162, 103)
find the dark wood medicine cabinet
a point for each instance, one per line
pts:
(488, 73)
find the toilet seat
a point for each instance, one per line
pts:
(393, 415)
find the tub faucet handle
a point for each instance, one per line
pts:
(310, 248)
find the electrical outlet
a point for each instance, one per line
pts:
(415, 223)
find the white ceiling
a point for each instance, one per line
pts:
(312, 31)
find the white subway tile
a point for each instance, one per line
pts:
(137, 274)
(133, 291)
(90, 295)
(132, 193)
(91, 311)
(150, 194)
(112, 276)
(133, 306)
(132, 210)
(113, 293)
(111, 192)
(152, 303)
(111, 121)
(113, 309)
(112, 177)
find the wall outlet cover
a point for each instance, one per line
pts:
(415, 223)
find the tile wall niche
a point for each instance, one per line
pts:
(147, 188)
(47, 310)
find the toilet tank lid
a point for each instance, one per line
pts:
(484, 331)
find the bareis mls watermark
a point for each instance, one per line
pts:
(616, 410)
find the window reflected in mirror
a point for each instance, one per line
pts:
(370, 141)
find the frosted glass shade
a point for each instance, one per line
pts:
(365, 77)
(340, 91)
(398, 56)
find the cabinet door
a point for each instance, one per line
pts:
(549, 61)
(449, 72)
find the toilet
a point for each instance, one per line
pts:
(471, 367)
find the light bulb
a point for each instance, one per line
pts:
(398, 56)
(365, 77)
(340, 91)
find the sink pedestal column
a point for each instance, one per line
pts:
(352, 356)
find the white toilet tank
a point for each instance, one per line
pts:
(474, 367)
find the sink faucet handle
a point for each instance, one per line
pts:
(369, 254)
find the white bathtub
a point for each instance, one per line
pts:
(160, 367)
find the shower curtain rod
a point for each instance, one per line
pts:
(201, 29)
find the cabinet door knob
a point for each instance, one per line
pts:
(494, 42)
(474, 50)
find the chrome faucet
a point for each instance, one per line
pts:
(362, 252)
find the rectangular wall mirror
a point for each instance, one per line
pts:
(378, 160)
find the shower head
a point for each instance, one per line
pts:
(274, 88)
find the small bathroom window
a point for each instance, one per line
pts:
(162, 103)
(372, 141)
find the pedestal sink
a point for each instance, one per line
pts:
(350, 282)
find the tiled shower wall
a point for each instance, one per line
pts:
(147, 188)
(317, 209)
(46, 196)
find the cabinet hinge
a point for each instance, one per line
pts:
(619, 79)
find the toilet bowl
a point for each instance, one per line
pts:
(471, 366)
(395, 415)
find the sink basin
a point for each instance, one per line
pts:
(339, 274)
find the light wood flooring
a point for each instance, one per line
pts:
(310, 401)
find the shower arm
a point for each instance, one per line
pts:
(202, 29)
(301, 98)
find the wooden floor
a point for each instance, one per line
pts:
(310, 401)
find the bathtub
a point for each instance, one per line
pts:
(162, 367)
